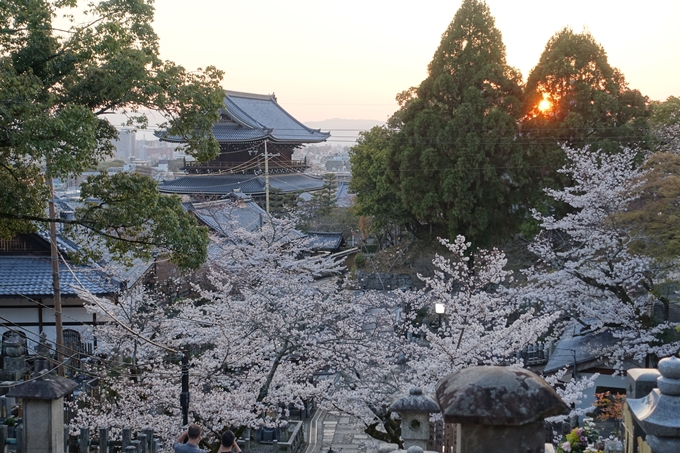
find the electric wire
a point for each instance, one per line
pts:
(99, 360)
(24, 296)
(123, 325)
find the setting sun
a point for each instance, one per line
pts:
(545, 104)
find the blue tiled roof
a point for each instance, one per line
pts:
(249, 184)
(294, 182)
(258, 117)
(324, 241)
(209, 184)
(230, 132)
(218, 215)
(344, 198)
(32, 276)
(575, 346)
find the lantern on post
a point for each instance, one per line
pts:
(415, 410)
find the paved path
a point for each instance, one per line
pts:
(336, 431)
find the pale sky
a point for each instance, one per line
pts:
(348, 59)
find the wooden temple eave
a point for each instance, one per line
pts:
(249, 158)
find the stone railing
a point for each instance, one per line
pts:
(295, 442)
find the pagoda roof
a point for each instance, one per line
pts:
(248, 117)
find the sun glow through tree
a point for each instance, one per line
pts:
(545, 105)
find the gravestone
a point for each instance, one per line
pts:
(14, 355)
(43, 355)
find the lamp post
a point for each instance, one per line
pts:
(440, 309)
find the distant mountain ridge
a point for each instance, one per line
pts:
(343, 131)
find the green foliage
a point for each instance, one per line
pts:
(360, 260)
(323, 201)
(176, 164)
(128, 213)
(55, 87)
(280, 202)
(590, 104)
(375, 197)
(665, 124)
(454, 160)
(654, 217)
(666, 113)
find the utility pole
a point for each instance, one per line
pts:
(266, 173)
(54, 254)
(185, 396)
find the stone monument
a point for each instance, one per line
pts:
(499, 409)
(43, 354)
(43, 412)
(14, 352)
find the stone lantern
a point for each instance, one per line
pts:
(659, 412)
(498, 408)
(415, 410)
(43, 412)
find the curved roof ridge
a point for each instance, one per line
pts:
(243, 94)
(309, 129)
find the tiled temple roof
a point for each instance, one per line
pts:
(324, 241)
(32, 276)
(220, 214)
(250, 117)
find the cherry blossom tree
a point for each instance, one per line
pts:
(587, 268)
(483, 322)
(257, 335)
(262, 328)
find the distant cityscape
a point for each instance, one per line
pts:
(130, 149)
(321, 158)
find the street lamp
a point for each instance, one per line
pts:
(440, 309)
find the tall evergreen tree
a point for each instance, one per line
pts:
(453, 160)
(323, 201)
(575, 97)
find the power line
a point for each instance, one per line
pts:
(90, 356)
(123, 325)
(41, 304)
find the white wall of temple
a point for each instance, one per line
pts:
(36, 315)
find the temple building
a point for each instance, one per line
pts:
(249, 126)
